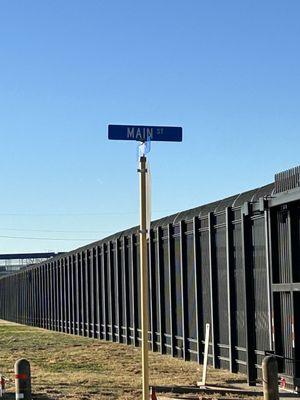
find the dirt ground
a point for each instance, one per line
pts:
(72, 367)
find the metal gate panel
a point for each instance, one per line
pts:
(295, 235)
(91, 296)
(87, 300)
(158, 289)
(221, 293)
(124, 291)
(238, 296)
(176, 289)
(191, 309)
(205, 293)
(98, 291)
(137, 288)
(260, 290)
(82, 294)
(285, 256)
(297, 332)
(74, 298)
(165, 281)
(108, 283)
(129, 279)
(281, 259)
(110, 290)
(283, 320)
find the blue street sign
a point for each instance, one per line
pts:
(142, 133)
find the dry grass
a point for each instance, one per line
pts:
(72, 367)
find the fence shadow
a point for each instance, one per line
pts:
(36, 396)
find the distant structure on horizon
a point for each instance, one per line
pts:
(10, 263)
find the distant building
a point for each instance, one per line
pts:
(10, 263)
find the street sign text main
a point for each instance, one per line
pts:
(142, 133)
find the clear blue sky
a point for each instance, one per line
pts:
(227, 71)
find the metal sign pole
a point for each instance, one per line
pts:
(142, 134)
(144, 277)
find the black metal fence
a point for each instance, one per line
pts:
(210, 264)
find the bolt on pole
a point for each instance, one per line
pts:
(144, 277)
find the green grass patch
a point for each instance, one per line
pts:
(72, 367)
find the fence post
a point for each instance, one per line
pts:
(23, 379)
(270, 378)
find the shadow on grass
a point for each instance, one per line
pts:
(236, 381)
(36, 396)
